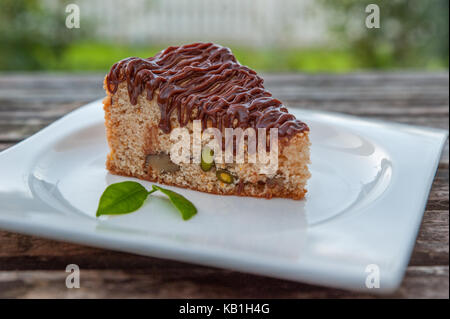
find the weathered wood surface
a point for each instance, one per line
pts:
(35, 267)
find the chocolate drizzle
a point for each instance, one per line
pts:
(204, 81)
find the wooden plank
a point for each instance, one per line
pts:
(397, 89)
(49, 80)
(15, 132)
(432, 244)
(351, 82)
(380, 79)
(370, 108)
(4, 146)
(200, 282)
(427, 96)
(360, 77)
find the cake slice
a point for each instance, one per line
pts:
(199, 83)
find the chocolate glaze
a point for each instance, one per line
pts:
(204, 81)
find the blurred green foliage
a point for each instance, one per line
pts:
(98, 56)
(31, 37)
(413, 34)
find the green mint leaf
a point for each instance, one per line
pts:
(121, 198)
(186, 208)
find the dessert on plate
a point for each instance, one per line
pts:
(200, 84)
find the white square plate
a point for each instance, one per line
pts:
(369, 186)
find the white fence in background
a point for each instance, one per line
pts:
(251, 22)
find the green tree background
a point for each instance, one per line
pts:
(414, 35)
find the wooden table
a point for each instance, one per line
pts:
(35, 267)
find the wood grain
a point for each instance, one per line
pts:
(199, 282)
(33, 267)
